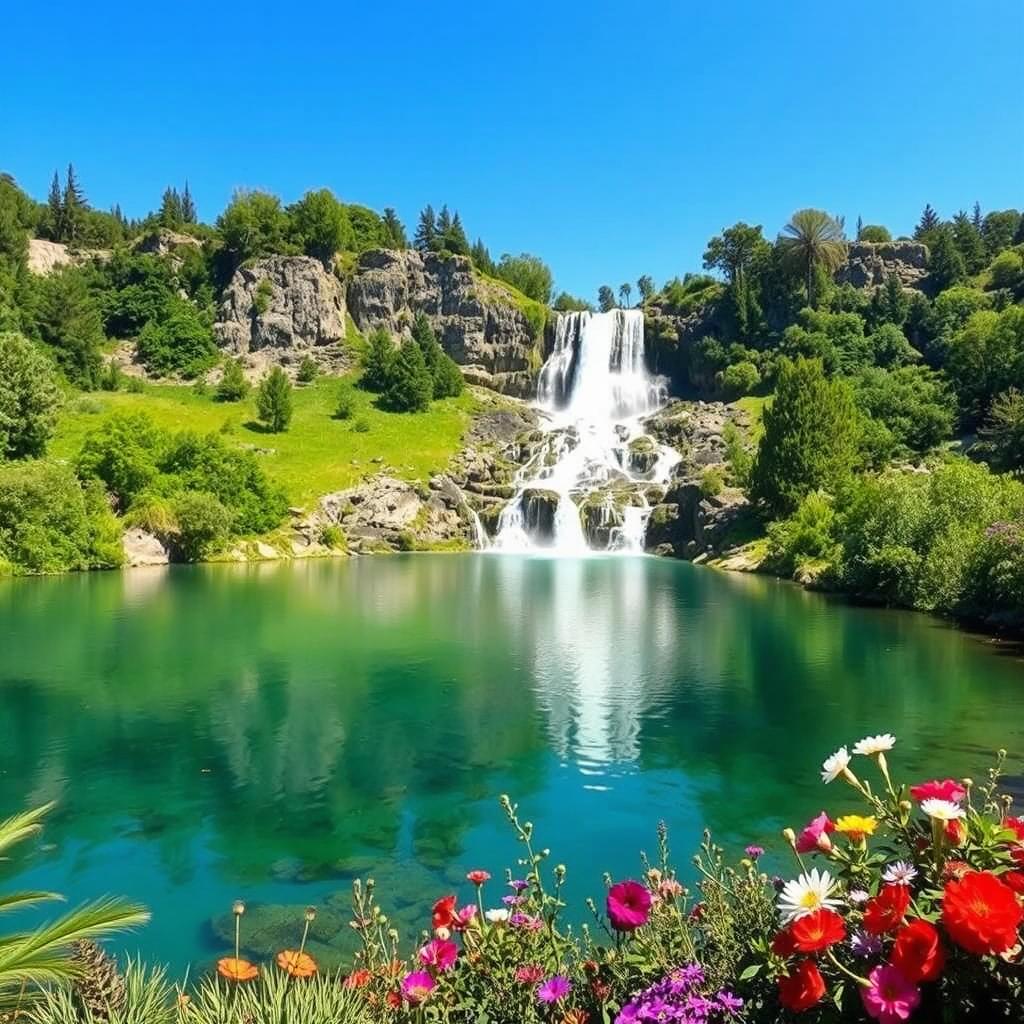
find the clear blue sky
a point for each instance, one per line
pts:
(610, 138)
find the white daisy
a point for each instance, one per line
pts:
(810, 892)
(942, 810)
(835, 765)
(874, 744)
(857, 896)
(497, 916)
(900, 873)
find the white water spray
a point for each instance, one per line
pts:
(585, 486)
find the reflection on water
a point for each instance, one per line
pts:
(274, 729)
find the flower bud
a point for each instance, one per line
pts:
(238, 908)
(442, 933)
(789, 835)
(310, 914)
(967, 783)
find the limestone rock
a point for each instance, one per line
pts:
(44, 257)
(143, 548)
(687, 524)
(280, 309)
(475, 320)
(868, 264)
(695, 430)
(164, 242)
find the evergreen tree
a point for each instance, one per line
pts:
(455, 239)
(67, 319)
(378, 360)
(74, 207)
(890, 303)
(55, 210)
(446, 378)
(976, 217)
(810, 438)
(860, 226)
(170, 215)
(233, 386)
(426, 230)
(274, 400)
(969, 243)
(394, 230)
(945, 264)
(444, 223)
(188, 206)
(605, 298)
(410, 386)
(481, 257)
(929, 222)
(320, 224)
(423, 335)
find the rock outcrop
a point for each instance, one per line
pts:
(689, 524)
(282, 308)
(475, 319)
(166, 243)
(695, 430)
(868, 264)
(44, 257)
(143, 548)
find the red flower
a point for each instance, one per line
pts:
(948, 789)
(917, 953)
(478, 877)
(818, 930)
(444, 912)
(981, 913)
(956, 832)
(955, 869)
(628, 905)
(358, 978)
(885, 912)
(783, 944)
(803, 988)
(1015, 825)
(1015, 880)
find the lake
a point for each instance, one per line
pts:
(270, 731)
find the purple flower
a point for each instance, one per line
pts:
(519, 885)
(511, 901)
(526, 921)
(753, 852)
(728, 1002)
(864, 945)
(553, 989)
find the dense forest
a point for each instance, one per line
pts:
(884, 464)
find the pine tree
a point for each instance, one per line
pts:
(945, 264)
(233, 386)
(481, 257)
(170, 215)
(55, 205)
(380, 355)
(410, 387)
(188, 206)
(976, 217)
(444, 221)
(860, 226)
(426, 230)
(969, 243)
(394, 230)
(274, 400)
(455, 239)
(74, 206)
(929, 222)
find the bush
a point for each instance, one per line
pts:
(262, 296)
(527, 274)
(233, 386)
(179, 343)
(29, 397)
(1008, 270)
(378, 360)
(125, 454)
(346, 406)
(738, 379)
(806, 536)
(307, 371)
(203, 525)
(874, 233)
(737, 455)
(915, 404)
(711, 482)
(361, 425)
(409, 387)
(68, 319)
(274, 400)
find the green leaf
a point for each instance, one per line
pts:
(750, 972)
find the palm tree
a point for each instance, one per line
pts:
(810, 240)
(43, 956)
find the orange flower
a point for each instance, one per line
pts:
(981, 913)
(575, 1017)
(818, 930)
(296, 963)
(236, 969)
(358, 978)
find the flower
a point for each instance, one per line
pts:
(440, 954)
(554, 989)
(444, 912)
(296, 963)
(817, 930)
(628, 905)
(575, 1017)
(668, 888)
(864, 945)
(955, 832)
(498, 915)
(815, 835)
(857, 896)
(478, 877)
(464, 917)
(856, 826)
(238, 908)
(511, 901)
(236, 969)
(890, 997)
(1015, 880)
(948, 789)
(753, 852)
(518, 884)
(417, 986)
(885, 912)
(528, 922)
(803, 988)
(835, 765)
(783, 944)
(917, 953)
(1015, 825)
(529, 974)
(358, 978)
(981, 913)
(874, 744)
(728, 1002)
(899, 873)
(941, 810)
(806, 894)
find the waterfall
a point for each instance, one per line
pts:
(585, 487)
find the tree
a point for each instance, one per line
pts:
(915, 404)
(566, 303)
(927, 224)
(890, 304)
(380, 354)
(394, 229)
(481, 257)
(320, 225)
(735, 251)
(968, 242)
(446, 378)
(410, 386)
(68, 320)
(1008, 270)
(73, 207)
(976, 220)
(452, 236)
(1003, 433)
(998, 230)
(605, 298)
(203, 525)
(188, 206)
(171, 215)
(812, 242)
(873, 233)
(274, 400)
(426, 230)
(29, 398)
(645, 286)
(986, 358)
(253, 224)
(178, 342)
(530, 274)
(810, 439)
(945, 264)
(625, 290)
(233, 386)
(55, 210)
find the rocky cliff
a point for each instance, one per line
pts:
(476, 320)
(281, 308)
(868, 264)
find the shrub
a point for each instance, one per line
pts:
(29, 397)
(178, 343)
(1008, 269)
(68, 319)
(361, 425)
(124, 453)
(806, 536)
(346, 406)
(203, 525)
(332, 536)
(378, 361)
(874, 233)
(739, 378)
(135, 386)
(738, 456)
(409, 387)
(274, 400)
(233, 386)
(112, 378)
(711, 482)
(307, 371)
(262, 296)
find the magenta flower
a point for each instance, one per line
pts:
(628, 906)
(440, 954)
(528, 922)
(417, 986)
(553, 989)
(519, 884)
(889, 998)
(529, 974)
(753, 852)
(464, 917)
(815, 835)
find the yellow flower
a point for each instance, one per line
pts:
(856, 826)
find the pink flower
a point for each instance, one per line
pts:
(529, 922)
(668, 888)
(889, 998)
(553, 989)
(465, 917)
(815, 835)
(628, 906)
(529, 974)
(439, 953)
(948, 789)
(478, 877)
(417, 986)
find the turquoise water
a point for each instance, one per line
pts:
(270, 731)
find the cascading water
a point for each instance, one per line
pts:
(585, 487)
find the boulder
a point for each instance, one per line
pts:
(540, 507)
(44, 257)
(143, 548)
(167, 243)
(476, 319)
(282, 308)
(687, 524)
(868, 264)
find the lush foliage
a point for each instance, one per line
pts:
(274, 400)
(29, 398)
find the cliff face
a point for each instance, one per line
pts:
(476, 321)
(868, 264)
